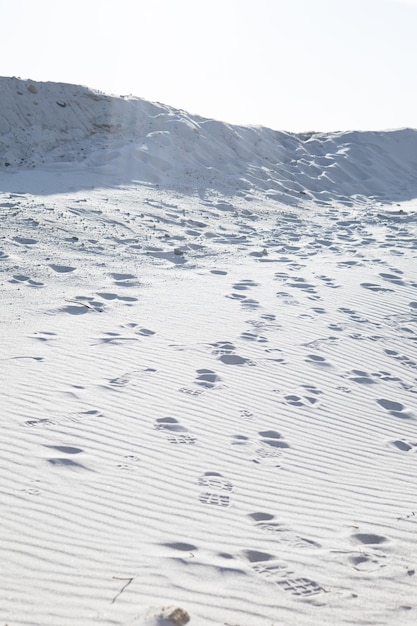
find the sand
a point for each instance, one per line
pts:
(209, 368)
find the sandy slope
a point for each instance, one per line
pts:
(154, 143)
(209, 379)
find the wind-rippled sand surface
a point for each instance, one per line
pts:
(209, 369)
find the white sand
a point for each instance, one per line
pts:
(209, 368)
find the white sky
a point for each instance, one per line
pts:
(292, 65)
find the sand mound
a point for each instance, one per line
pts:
(154, 143)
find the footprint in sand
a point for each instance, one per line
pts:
(309, 396)
(267, 565)
(301, 587)
(66, 449)
(169, 424)
(396, 409)
(125, 280)
(138, 330)
(190, 391)
(145, 332)
(80, 416)
(235, 359)
(215, 481)
(32, 491)
(365, 562)
(402, 359)
(247, 303)
(216, 499)
(112, 338)
(365, 337)
(218, 485)
(376, 288)
(317, 360)
(181, 546)
(25, 241)
(65, 417)
(128, 300)
(269, 457)
(276, 355)
(20, 279)
(225, 352)
(363, 377)
(44, 336)
(369, 539)
(207, 378)
(271, 448)
(280, 573)
(336, 327)
(287, 298)
(240, 440)
(265, 322)
(360, 377)
(373, 558)
(269, 318)
(39, 423)
(353, 315)
(329, 282)
(247, 336)
(68, 463)
(393, 278)
(281, 276)
(122, 381)
(272, 438)
(297, 282)
(318, 343)
(129, 462)
(65, 461)
(62, 269)
(405, 446)
(175, 432)
(268, 449)
(347, 264)
(221, 348)
(128, 377)
(266, 522)
(244, 285)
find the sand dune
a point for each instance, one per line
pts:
(209, 368)
(130, 139)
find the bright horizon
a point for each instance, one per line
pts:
(291, 65)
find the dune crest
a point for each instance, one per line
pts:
(153, 143)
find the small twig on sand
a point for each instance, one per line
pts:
(81, 303)
(129, 580)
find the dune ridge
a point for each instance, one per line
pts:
(157, 144)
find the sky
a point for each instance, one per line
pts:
(294, 65)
